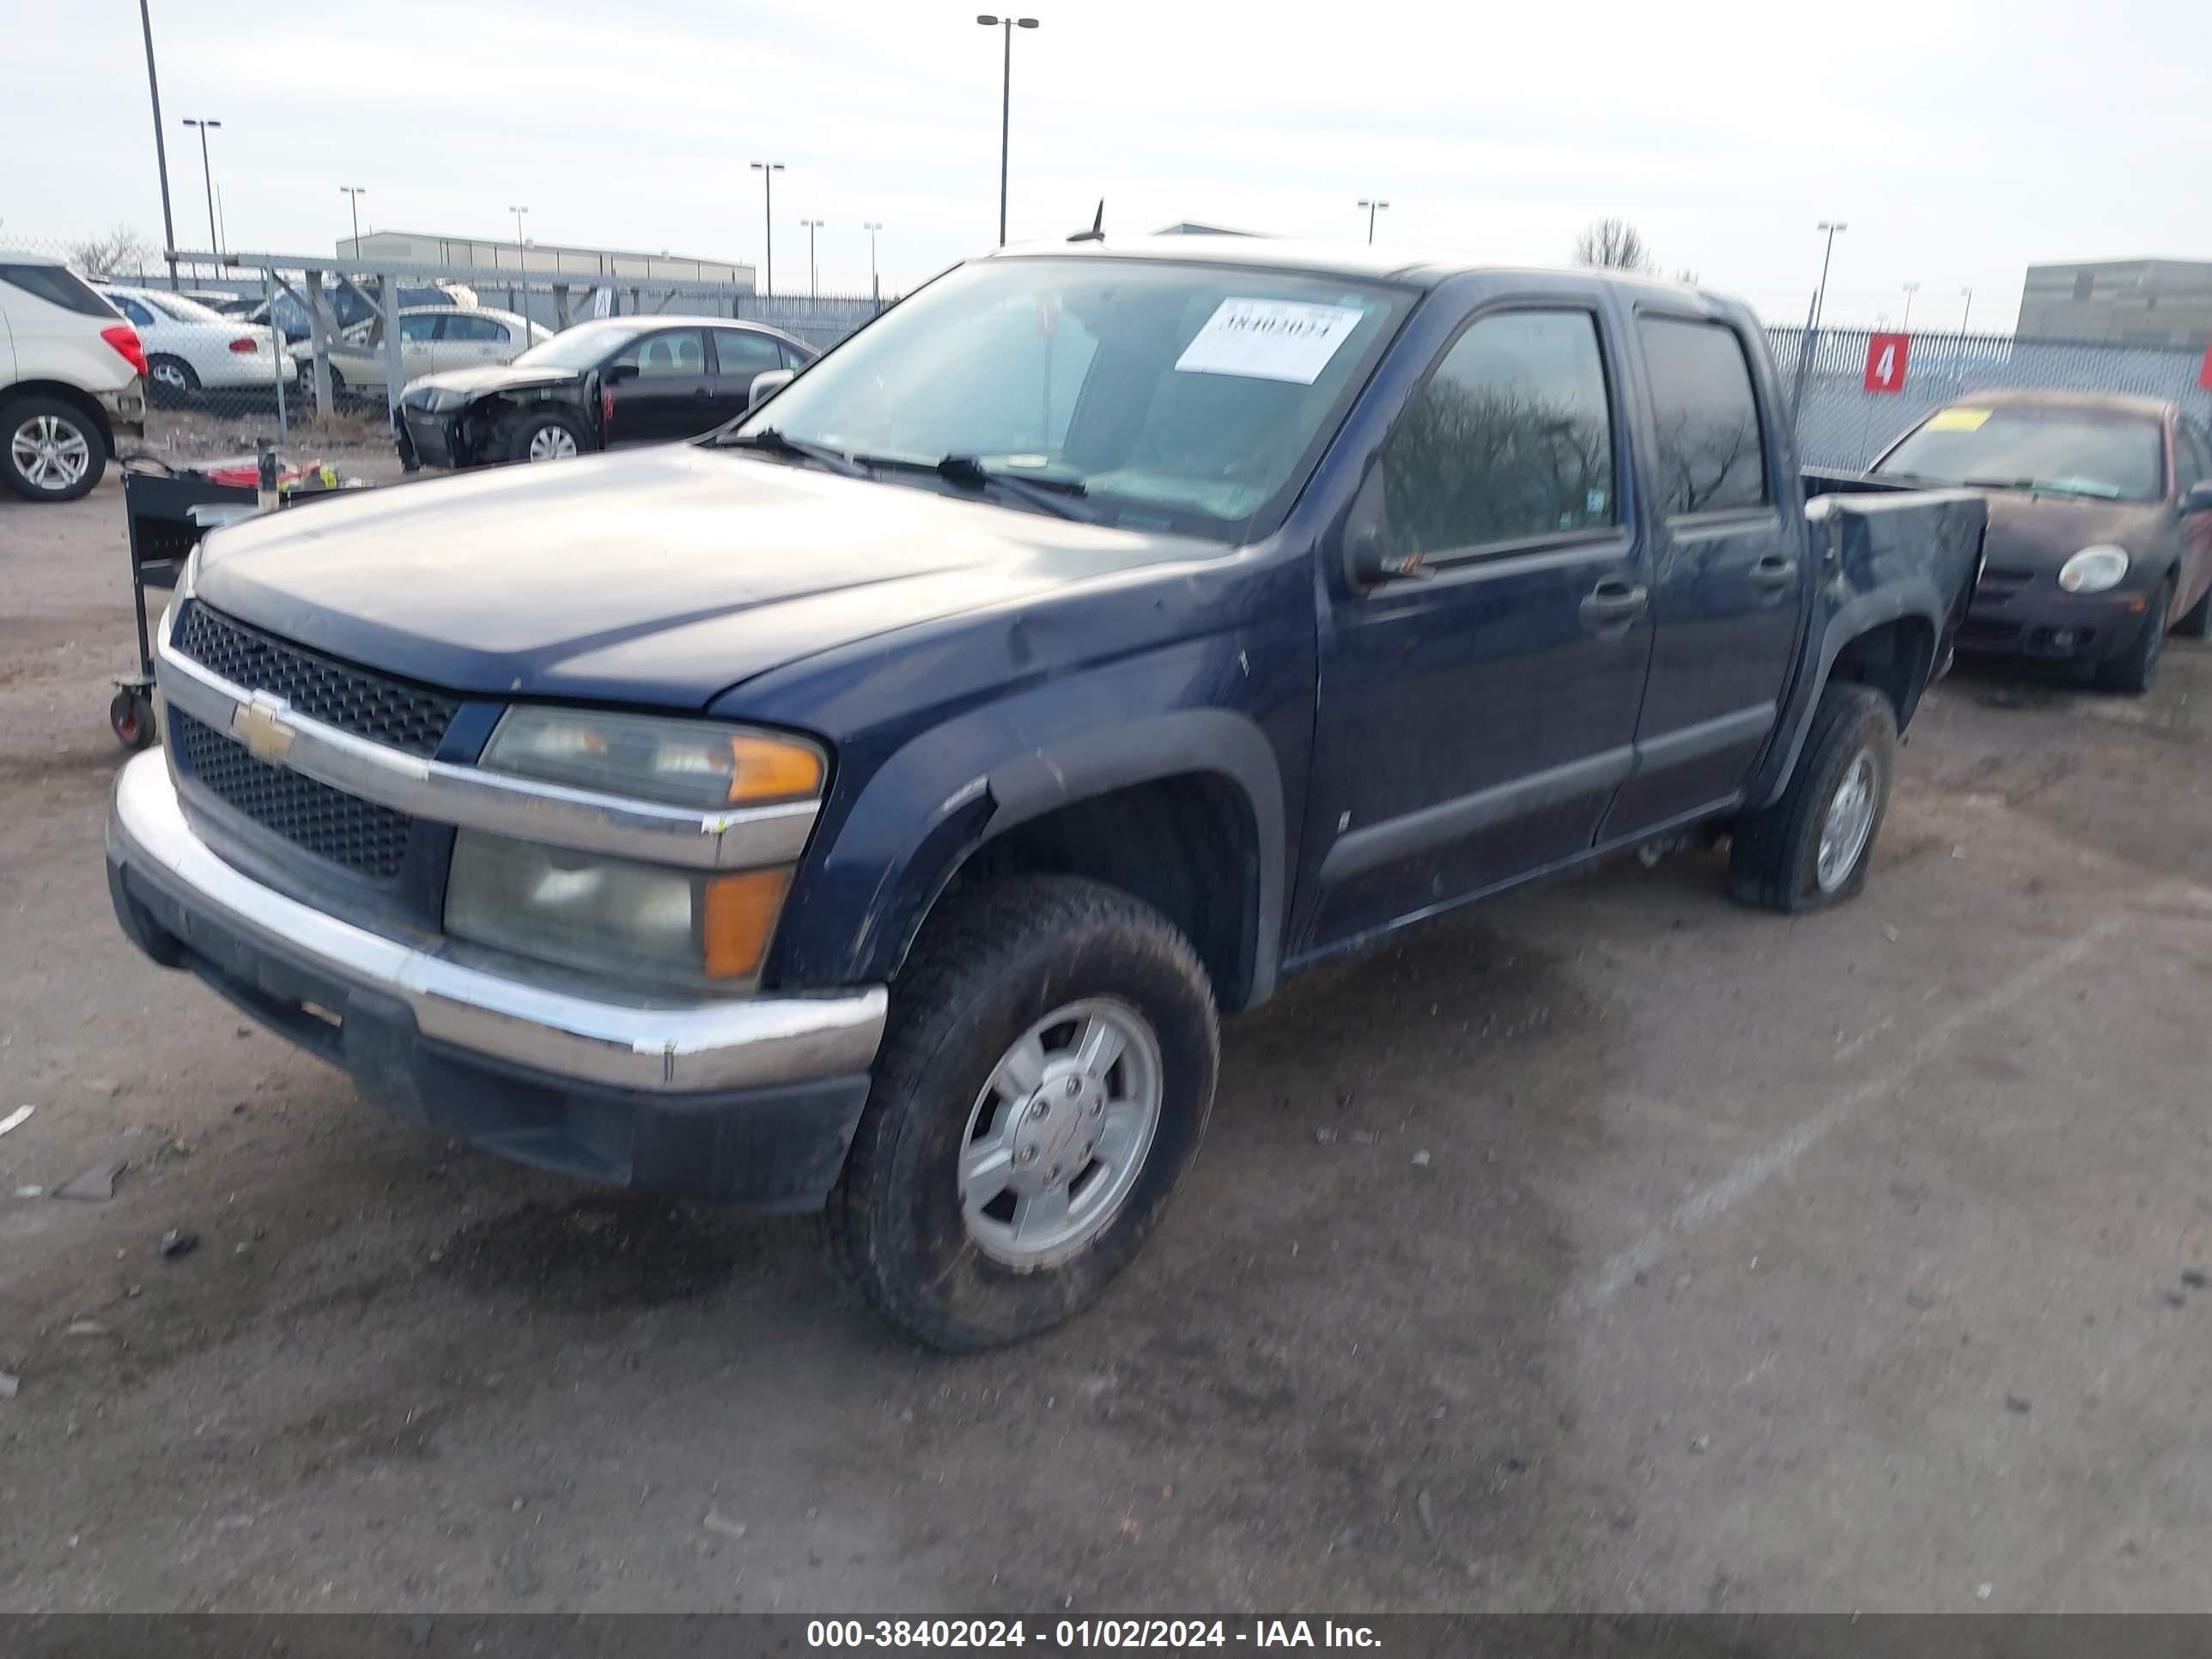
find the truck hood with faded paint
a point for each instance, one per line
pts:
(2041, 532)
(657, 576)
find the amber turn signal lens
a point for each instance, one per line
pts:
(740, 915)
(764, 769)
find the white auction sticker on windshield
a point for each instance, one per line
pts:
(1269, 340)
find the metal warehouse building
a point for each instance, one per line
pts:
(541, 259)
(2130, 301)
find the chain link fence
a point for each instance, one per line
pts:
(1842, 423)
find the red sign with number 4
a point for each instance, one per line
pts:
(1885, 355)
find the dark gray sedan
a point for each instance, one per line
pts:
(2100, 524)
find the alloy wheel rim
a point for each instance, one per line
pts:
(1059, 1133)
(50, 452)
(551, 443)
(1849, 823)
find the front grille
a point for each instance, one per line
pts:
(368, 705)
(354, 833)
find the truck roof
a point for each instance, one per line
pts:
(1421, 267)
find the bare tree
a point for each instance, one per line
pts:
(1613, 244)
(121, 253)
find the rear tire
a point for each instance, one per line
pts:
(545, 436)
(996, 966)
(170, 382)
(50, 450)
(2132, 673)
(1811, 848)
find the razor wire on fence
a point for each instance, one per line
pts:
(1853, 405)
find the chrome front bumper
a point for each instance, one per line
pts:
(661, 1047)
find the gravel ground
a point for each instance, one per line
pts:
(1700, 1260)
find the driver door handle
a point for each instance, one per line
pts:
(1775, 570)
(1613, 602)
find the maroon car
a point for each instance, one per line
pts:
(2100, 524)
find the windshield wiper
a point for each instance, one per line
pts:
(1056, 496)
(2042, 486)
(773, 442)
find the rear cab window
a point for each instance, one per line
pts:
(57, 285)
(1712, 449)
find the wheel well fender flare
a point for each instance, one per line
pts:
(1914, 599)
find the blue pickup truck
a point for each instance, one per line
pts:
(874, 804)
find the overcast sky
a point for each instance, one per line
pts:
(1960, 141)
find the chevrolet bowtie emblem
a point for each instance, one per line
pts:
(262, 728)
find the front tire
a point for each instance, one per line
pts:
(1811, 848)
(545, 437)
(1043, 1086)
(2132, 673)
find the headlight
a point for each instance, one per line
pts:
(680, 761)
(2093, 569)
(639, 920)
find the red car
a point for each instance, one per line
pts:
(2100, 524)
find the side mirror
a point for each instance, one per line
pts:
(767, 383)
(615, 374)
(1373, 565)
(2197, 498)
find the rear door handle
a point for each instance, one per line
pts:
(1775, 570)
(1612, 602)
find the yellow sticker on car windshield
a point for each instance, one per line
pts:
(1959, 420)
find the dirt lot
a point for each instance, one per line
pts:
(1847, 1263)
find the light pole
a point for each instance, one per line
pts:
(160, 145)
(813, 270)
(1910, 288)
(875, 288)
(518, 243)
(768, 170)
(1006, 103)
(1821, 294)
(207, 179)
(1969, 311)
(1373, 208)
(353, 193)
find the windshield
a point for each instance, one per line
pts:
(2069, 452)
(576, 348)
(1168, 396)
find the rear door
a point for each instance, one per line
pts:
(669, 396)
(469, 339)
(1471, 725)
(740, 356)
(1728, 586)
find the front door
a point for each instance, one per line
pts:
(740, 356)
(1472, 725)
(669, 396)
(2192, 457)
(1729, 585)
